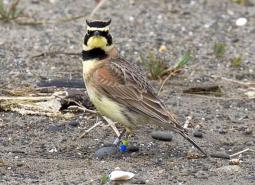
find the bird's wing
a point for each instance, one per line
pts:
(126, 84)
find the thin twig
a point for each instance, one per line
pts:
(96, 8)
(248, 84)
(240, 152)
(217, 98)
(163, 83)
(80, 106)
(186, 124)
(27, 98)
(112, 124)
(91, 128)
(84, 109)
(53, 53)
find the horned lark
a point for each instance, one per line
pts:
(117, 87)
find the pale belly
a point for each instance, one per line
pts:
(107, 107)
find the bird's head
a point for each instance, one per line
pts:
(97, 35)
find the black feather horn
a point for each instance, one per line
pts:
(98, 23)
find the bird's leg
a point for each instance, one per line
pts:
(118, 139)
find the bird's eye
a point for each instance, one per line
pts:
(90, 32)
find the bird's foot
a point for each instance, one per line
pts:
(122, 145)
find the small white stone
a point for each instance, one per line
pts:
(207, 25)
(250, 94)
(192, 2)
(131, 18)
(53, 150)
(121, 175)
(241, 21)
(160, 16)
(53, 1)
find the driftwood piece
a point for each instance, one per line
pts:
(46, 103)
(205, 89)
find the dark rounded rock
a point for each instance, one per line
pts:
(221, 155)
(222, 131)
(198, 134)
(132, 148)
(107, 152)
(74, 123)
(19, 164)
(138, 181)
(162, 135)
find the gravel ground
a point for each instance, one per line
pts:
(43, 150)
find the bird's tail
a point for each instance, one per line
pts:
(183, 134)
(177, 127)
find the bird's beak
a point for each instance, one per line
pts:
(96, 33)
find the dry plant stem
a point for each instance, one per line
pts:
(163, 83)
(96, 8)
(240, 152)
(112, 124)
(217, 98)
(186, 124)
(248, 84)
(91, 128)
(39, 113)
(27, 98)
(81, 107)
(53, 53)
(84, 109)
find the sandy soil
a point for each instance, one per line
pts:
(43, 150)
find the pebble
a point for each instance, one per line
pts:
(234, 161)
(223, 131)
(19, 164)
(198, 133)
(162, 49)
(162, 135)
(121, 175)
(191, 154)
(250, 94)
(74, 123)
(221, 155)
(107, 152)
(132, 148)
(53, 150)
(241, 21)
(138, 181)
(248, 131)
